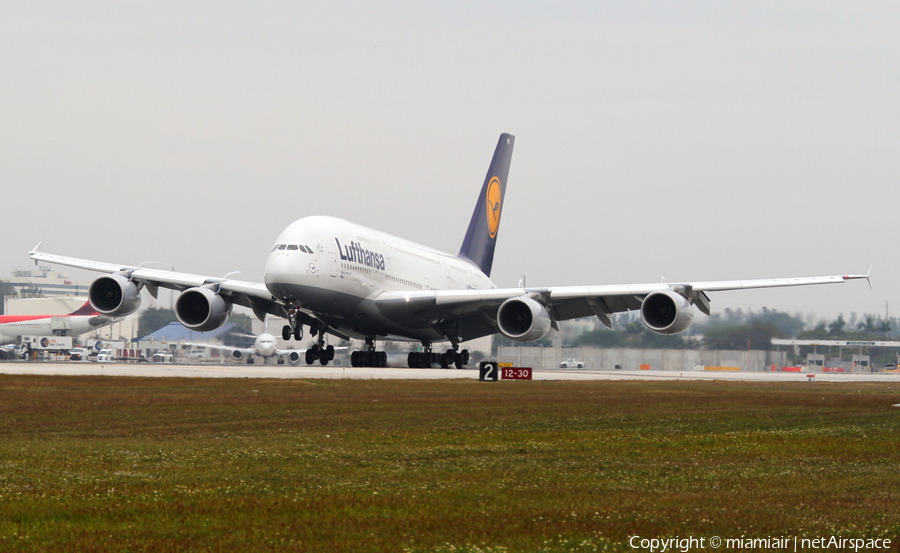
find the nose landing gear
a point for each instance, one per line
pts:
(319, 351)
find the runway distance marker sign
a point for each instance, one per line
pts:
(516, 373)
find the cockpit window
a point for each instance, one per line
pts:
(275, 247)
(293, 247)
(282, 246)
(307, 249)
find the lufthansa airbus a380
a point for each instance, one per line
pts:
(350, 281)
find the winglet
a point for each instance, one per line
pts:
(35, 250)
(867, 276)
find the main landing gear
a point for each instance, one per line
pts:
(319, 351)
(426, 358)
(369, 357)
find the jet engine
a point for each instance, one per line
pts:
(114, 295)
(523, 319)
(294, 356)
(201, 309)
(667, 312)
(237, 354)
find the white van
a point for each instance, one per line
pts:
(106, 356)
(162, 357)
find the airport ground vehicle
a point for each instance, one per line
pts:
(106, 356)
(162, 357)
(79, 354)
(571, 364)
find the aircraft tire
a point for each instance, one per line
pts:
(286, 333)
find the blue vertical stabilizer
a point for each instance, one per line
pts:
(481, 237)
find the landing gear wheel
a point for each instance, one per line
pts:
(298, 332)
(310, 356)
(329, 353)
(445, 359)
(286, 332)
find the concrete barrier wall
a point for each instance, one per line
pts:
(633, 359)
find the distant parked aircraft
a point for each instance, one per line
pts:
(264, 346)
(84, 319)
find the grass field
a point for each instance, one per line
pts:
(173, 464)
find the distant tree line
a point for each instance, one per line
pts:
(736, 330)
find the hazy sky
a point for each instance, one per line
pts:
(685, 140)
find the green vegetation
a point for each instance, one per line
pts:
(501, 341)
(141, 464)
(732, 329)
(634, 334)
(153, 319)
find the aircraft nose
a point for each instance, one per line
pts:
(278, 270)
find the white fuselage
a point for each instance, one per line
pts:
(328, 265)
(13, 326)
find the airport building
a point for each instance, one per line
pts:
(42, 282)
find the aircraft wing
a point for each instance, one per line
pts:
(570, 302)
(254, 295)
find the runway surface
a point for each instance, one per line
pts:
(298, 371)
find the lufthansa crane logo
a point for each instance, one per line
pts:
(493, 206)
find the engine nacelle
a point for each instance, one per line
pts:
(294, 356)
(114, 295)
(523, 319)
(201, 309)
(237, 354)
(667, 312)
